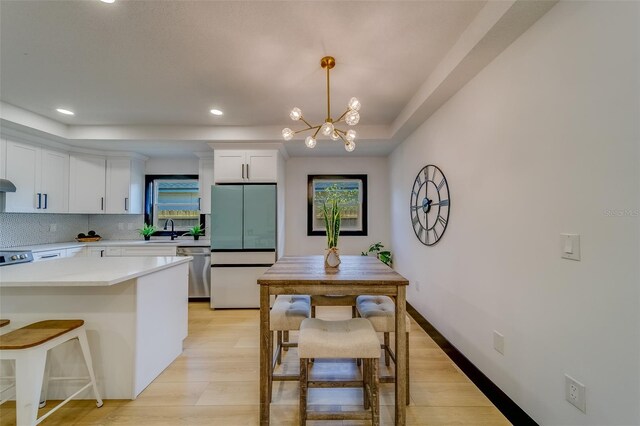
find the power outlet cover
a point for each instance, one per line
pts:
(575, 393)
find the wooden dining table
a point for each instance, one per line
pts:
(356, 275)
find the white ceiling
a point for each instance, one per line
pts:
(158, 65)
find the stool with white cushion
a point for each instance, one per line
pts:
(286, 315)
(28, 347)
(353, 338)
(380, 311)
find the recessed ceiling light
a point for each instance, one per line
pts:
(65, 111)
(107, 1)
(216, 112)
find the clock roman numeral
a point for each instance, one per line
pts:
(441, 184)
(436, 233)
(442, 221)
(415, 220)
(434, 174)
(420, 232)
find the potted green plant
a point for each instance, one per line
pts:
(147, 231)
(383, 255)
(196, 231)
(332, 218)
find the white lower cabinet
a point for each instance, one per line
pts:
(145, 250)
(48, 255)
(76, 252)
(96, 251)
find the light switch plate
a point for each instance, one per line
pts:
(570, 246)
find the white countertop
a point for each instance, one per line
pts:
(111, 243)
(84, 271)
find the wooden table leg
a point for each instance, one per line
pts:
(265, 355)
(401, 357)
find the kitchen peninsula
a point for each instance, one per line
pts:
(134, 308)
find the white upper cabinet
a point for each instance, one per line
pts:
(245, 166)
(87, 177)
(205, 180)
(41, 177)
(125, 185)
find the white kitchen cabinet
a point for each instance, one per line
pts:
(76, 252)
(49, 255)
(205, 181)
(41, 177)
(150, 250)
(245, 166)
(87, 188)
(124, 185)
(96, 251)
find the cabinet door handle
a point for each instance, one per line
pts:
(199, 201)
(242, 171)
(46, 198)
(126, 204)
(101, 203)
(49, 256)
(247, 171)
(39, 200)
(101, 253)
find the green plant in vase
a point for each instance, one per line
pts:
(147, 231)
(196, 231)
(332, 216)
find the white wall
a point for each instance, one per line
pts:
(545, 140)
(171, 166)
(297, 169)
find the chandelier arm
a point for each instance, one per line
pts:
(308, 128)
(342, 116)
(317, 130)
(343, 139)
(340, 131)
(306, 122)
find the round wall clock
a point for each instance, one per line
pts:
(430, 205)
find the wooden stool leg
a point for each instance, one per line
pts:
(29, 373)
(366, 378)
(84, 345)
(285, 338)
(375, 394)
(304, 378)
(313, 311)
(279, 348)
(270, 388)
(354, 312)
(387, 358)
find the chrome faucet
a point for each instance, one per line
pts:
(173, 233)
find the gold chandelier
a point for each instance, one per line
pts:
(351, 116)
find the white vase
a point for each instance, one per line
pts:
(332, 258)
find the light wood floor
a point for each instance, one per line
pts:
(215, 382)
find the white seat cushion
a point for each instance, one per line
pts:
(353, 338)
(381, 311)
(288, 312)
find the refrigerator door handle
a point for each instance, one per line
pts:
(242, 170)
(247, 170)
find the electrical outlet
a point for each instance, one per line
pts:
(53, 227)
(575, 393)
(498, 342)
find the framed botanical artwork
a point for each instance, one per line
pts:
(351, 193)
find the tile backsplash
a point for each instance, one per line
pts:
(116, 226)
(23, 229)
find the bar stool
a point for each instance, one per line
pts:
(353, 338)
(286, 315)
(380, 311)
(28, 347)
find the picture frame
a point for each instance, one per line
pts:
(352, 192)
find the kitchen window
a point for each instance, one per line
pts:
(351, 193)
(173, 197)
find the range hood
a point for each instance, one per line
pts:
(5, 186)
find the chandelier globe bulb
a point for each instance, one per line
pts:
(287, 134)
(296, 114)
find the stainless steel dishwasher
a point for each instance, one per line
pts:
(199, 271)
